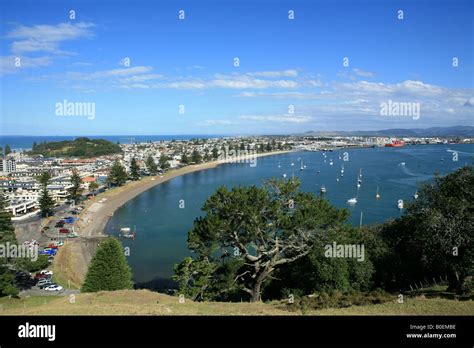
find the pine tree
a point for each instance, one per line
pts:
(134, 169)
(117, 174)
(7, 231)
(108, 270)
(7, 235)
(151, 165)
(184, 158)
(76, 190)
(46, 203)
(196, 157)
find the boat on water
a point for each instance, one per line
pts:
(342, 169)
(377, 195)
(284, 175)
(396, 143)
(337, 179)
(279, 165)
(127, 233)
(323, 189)
(352, 201)
(400, 204)
(301, 167)
(416, 195)
(331, 162)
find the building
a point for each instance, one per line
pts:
(7, 165)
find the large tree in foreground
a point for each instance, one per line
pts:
(108, 269)
(7, 235)
(441, 223)
(252, 231)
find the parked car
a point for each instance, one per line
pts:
(39, 276)
(50, 259)
(54, 287)
(63, 230)
(49, 252)
(47, 272)
(43, 283)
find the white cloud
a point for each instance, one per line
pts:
(8, 63)
(274, 74)
(46, 38)
(363, 73)
(277, 118)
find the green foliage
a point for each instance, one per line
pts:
(7, 231)
(134, 169)
(338, 299)
(261, 230)
(44, 178)
(108, 269)
(184, 158)
(215, 153)
(93, 186)
(196, 157)
(164, 162)
(81, 147)
(151, 165)
(117, 175)
(7, 235)
(75, 191)
(8, 150)
(46, 203)
(26, 264)
(422, 243)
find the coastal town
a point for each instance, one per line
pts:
(20, 170)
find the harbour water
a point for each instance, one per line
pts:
(162, 226)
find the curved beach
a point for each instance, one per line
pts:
(71, 262)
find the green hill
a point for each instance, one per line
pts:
(80, 147)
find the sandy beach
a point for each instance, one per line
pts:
(72, 260)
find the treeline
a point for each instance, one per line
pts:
(271, 242)
(80, 147)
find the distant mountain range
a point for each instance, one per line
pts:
(455, 131)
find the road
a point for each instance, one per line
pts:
(34, 291)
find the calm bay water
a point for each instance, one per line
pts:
(162, 226)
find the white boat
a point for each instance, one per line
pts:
(337, 179)
(292, 164)
(358, 185)
(377, 195)
(352, 201)
(284, 175)
(125, 230)
(400, 204)
(331, 162)
(301, 167)
(323, 189)
(342, 169)
(416, 195)
(279, 165)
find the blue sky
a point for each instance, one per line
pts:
(285, 65)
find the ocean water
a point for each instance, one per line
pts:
(162, 226)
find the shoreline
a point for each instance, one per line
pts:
(76, 254)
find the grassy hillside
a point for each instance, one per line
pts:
(144, 302)
(81, 147)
